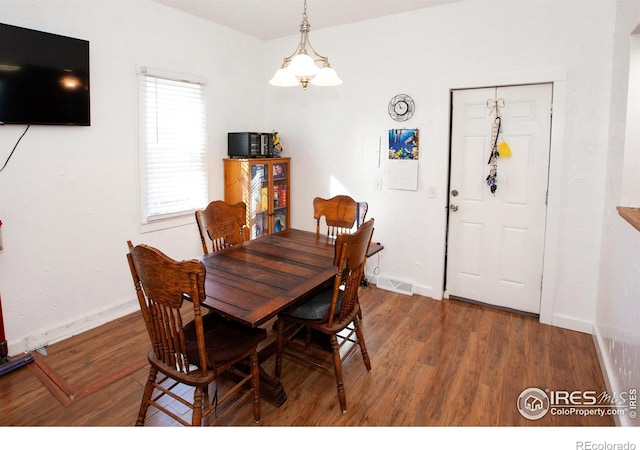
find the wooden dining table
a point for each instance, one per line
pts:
(253, 281)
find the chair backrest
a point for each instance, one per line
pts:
(350, 259)
(339, 214)
(162, 285)
(222, 225)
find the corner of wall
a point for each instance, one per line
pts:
(607, 371)
(572, 323)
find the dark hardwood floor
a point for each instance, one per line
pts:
(435, 363)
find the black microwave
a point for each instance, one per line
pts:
(249, 144)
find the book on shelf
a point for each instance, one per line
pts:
(279, 222)
(264, 198)
(260, 225)
(279, 196)
(257, 173)
(255, 205)
(278, 171)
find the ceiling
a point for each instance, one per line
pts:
(270, 19)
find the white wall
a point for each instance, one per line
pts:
(426, 53)
(616, 330)
(68, 197)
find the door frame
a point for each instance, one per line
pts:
(531, 288)
(558, 78)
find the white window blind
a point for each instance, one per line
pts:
(173, 159)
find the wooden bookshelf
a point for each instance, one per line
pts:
(264, 185)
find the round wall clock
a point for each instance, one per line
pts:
(401, 107)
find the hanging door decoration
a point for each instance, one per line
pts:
(497, 150)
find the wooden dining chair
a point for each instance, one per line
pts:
(222, 225)
(334, 313)
(339, 214)
(192, 352)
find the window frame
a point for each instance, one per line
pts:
(173, 219)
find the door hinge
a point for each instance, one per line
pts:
(541, 278)
(551, 110)
(546, 198)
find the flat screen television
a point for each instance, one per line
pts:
(44, 78)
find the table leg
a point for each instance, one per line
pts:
(271, 389)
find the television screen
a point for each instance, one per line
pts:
(44, 78)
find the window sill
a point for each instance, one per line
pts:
(631, 215)
(168, 222)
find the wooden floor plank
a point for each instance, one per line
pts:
(435, 363)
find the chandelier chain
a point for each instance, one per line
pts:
(300, 68)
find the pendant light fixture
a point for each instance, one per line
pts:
(300, 68)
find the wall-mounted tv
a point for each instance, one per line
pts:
(44, 78)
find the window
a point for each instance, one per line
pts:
(172, 153)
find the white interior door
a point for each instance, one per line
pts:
(495, 243)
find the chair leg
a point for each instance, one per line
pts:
(255, 384)
(196, 416)
(363, 347)
(337, 364)
(279, 346)
(146, 396)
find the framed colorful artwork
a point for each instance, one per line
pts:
(403, 144)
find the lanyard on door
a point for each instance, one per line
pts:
(492, 178)
(497, 150)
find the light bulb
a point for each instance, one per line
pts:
(326, 77)
(302, 66)
(284, 78)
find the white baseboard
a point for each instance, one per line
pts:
(425, 291)
(608, 373)
(571, 323)
(65, 330)
(393, 285)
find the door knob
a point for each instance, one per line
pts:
(453, 208)
(454, 193)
